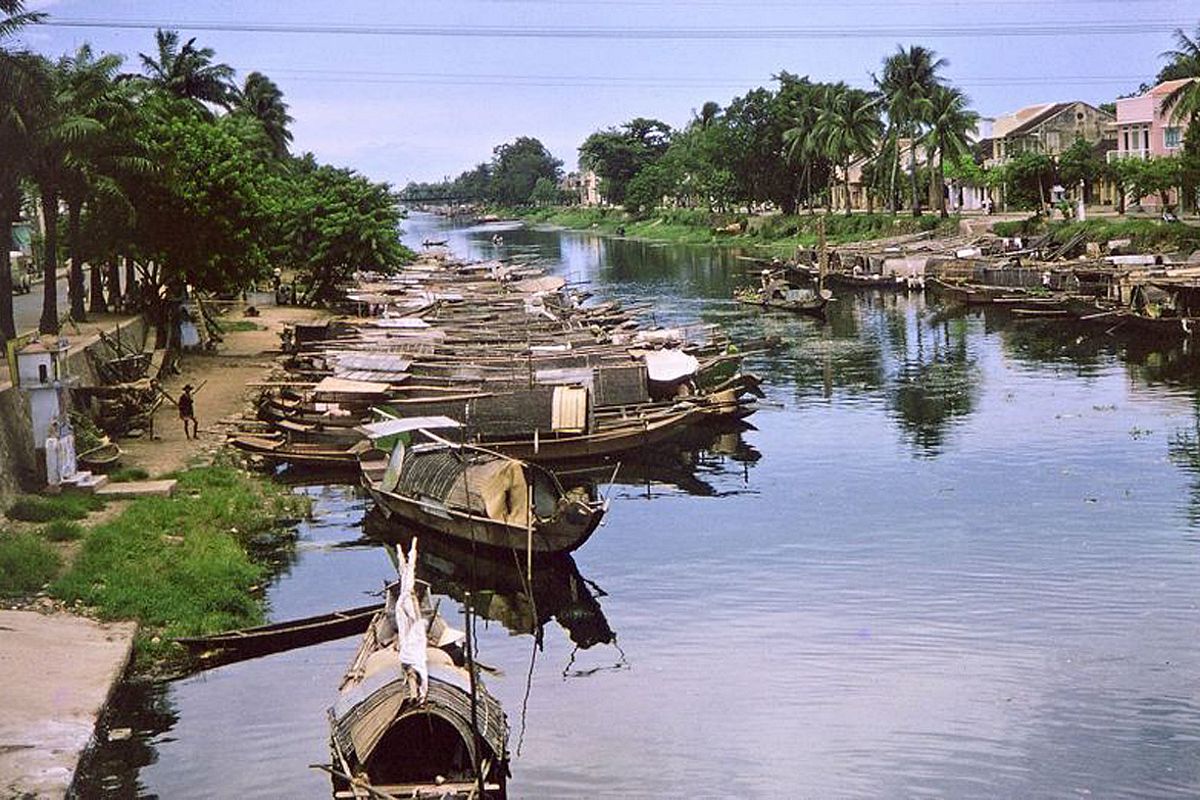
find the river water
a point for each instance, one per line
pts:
(958, 557)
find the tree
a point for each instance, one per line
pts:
(545, 192)
(67, 126)
(517, 166)
(907, 83)
(847, 128)
(213, 210)
(1027, 179)
(337, 222)
(19, 93)
(1182, 62)
(618, 154)
(89, 94)
(188, 72)
(263, 100)
(950, 125)
(1079, 162)
(1150, 176)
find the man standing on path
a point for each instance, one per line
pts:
(187, 412)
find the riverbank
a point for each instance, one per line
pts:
(777, 234)
(92, 584)
(1143, 234)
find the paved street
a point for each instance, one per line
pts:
(27, 308)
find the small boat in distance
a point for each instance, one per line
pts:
(412, 718)
(777, 292)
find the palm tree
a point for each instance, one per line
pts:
(66, 132)
(18, 93)
(800, 141)
(908, 80)
(848, 126)
(263, 100)
(1183, 103)
(950, 125)
(188, 72)
(88, 90)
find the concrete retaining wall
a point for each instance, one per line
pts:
(20, 467)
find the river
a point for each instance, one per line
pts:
(958, 557)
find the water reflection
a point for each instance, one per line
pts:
(497, 587)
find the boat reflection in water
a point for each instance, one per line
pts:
(693, 463)
(498, 588)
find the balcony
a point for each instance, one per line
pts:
(1118, 155)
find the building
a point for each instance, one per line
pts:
(589, 189)
(1048, 128)
(1145, 131)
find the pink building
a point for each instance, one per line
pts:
(1144, 131)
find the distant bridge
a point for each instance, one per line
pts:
(434, 196)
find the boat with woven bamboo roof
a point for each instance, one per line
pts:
(412, 717)
(472, 494)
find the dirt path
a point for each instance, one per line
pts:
(244, 357)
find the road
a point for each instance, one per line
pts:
(27, 308)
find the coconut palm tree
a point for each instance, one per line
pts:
(18, 93)
(188, 72)
(65, 135)
(263, 100)
(908, 79)
(950, 125)
(89, 89)
(848, 127)
(1183, 103)
(800, 142)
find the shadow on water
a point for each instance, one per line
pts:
(497, 587)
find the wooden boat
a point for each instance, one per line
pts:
(279, 450)
(246, 643)
(973, 294)
(787, 298)
(412, 718)
(475, 495)
(610, 436)
(101, 458)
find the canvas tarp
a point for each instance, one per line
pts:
(496, 488)
(667, 366)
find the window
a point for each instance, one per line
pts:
(1171, 138)
(1145, 138)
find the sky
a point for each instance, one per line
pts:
(417, 90)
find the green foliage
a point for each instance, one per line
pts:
(1028, 179)
(1146, 234)
(26, 563)
(334, 222)
(518, 166)
(1144, 177)
(619, 154)
(1080, 162)
(62, 530)
(181, 565)
(43, 509)
(128, 474)
(212, 211)
(545, 192)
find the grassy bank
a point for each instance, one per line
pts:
(1146, 234)
(193, 563)
(777, 233)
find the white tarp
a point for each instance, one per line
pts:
(409, 621)
(391, 427)
(667, 366)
